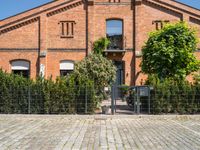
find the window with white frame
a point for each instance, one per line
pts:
(66, 67)
(21, 67)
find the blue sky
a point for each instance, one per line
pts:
(12, 7)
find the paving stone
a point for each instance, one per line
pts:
(126, 132)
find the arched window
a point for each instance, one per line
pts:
(21, 67)
(114, 32)
(66, 67)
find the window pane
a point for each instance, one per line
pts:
(115, 34)
(114, 27)
(65, 72)
(23, 73)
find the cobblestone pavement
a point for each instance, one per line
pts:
(37, 132)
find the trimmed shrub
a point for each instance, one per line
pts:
(65, 95)
(174, 96)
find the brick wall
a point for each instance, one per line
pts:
(28, 34)
(7, 56)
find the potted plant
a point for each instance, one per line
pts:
(124, 91)
(105, 109)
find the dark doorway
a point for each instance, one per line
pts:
(119, 78)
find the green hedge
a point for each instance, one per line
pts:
(173, 96)
(63, 96)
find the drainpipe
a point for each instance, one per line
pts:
(134, 41)
(86, 21)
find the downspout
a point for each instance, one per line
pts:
(86, 21)
(39, 47)
(134, 41)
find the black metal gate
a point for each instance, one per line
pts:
(135, 101)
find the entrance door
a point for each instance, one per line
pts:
(119, 78)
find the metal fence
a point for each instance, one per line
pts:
(175, 101)
(29, 100)
(137, 98)
(83, 100)
(146, 100)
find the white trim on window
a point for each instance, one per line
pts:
(20, 65)
(66, 65)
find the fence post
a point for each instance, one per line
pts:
(138, 100)
(112, 99)
(29, 100)
(86, 99)
(75, 99)
(149, 100)
(116, 88)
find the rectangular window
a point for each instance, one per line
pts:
(66, 67)
(21, 67)
(65, 72)
(114, 32)
(67, 29)
(23, 73)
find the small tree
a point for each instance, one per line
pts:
(98, 69)
(169, 52)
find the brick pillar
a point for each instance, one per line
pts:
(138, 46)
(43, 46)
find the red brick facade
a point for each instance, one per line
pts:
(35, 35)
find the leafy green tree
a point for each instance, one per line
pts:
(169, 52)
(98, 69)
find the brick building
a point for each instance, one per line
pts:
(50, 38)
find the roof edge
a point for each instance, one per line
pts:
(29, 13)
(53, 1)
(186, 5)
